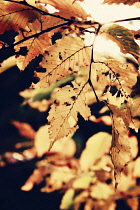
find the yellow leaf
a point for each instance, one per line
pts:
(84, 181)
(64, 146)
(96, 146)
(69, 102)
(67, 199)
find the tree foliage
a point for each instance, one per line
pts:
(71, 77)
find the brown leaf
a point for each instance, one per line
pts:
(121, 143)
(63, 114)
(24, 129)
(68, 6)
(14, 16)
(128, 2)
(35, 45)
(133, 203)
(127, 75)
(64, 58)
(35, 178)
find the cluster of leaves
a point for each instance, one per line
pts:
(68, 72)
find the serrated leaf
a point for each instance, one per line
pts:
(68, 6)
(63, 114)
(129, 2)
(35, 46)
(124, 38)
(120, 150)
(64, 58)
(14, 16)
(123, 74)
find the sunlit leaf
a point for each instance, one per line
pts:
(67, 199)
(68, 6)
(84, 181)
(129, 2)
(14, 16)
(98, 142)
(101, 191)
(35, 46)
(64, 58)
(63, 114)
(124, 38)
(65, 146)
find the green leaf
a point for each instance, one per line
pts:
(124, 38)
(45, 93)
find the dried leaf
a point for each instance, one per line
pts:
(63, 114)
(124, 38)
(14, 16)
(133, 203)
(128, 2)
(123, 74)
(120, 149)
(98, 142)
(35, 46)
(64, 58)
(67, 6)
(25, 129)
(35, 178)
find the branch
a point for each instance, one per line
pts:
(35, 35)
(40, 11)
(92, 61)
(127, 19)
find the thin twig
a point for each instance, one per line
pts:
(92, 61)
(35, 35)
(39, 10)
(122, 20)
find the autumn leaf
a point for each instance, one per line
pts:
(63, 114)
(127, 75)
(63, 58)
(128, 2)
(35, 178)
(68, 6)
(124, 38)
(120, 149)
(14, 16)
(35, 45)
(25, 129)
